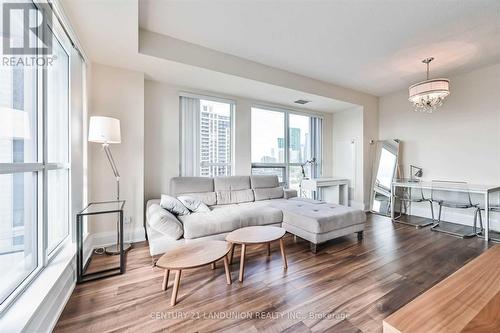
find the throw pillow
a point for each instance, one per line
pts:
(173, 205)
(193, 204)
(164, 222)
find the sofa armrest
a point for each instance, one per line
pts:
(289, 193)
(163, 221)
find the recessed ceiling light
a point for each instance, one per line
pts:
(302, 101)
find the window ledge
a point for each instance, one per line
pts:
(52, 281)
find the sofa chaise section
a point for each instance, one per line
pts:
(319, 222)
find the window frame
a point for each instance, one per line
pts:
(286, 123)
(41, 166)
(57, 31)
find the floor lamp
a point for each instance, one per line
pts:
(106, 131)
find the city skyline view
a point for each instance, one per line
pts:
(215, 138)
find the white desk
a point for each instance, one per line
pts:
(484, 190)
(330, 189)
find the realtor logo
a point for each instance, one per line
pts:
(29, 39)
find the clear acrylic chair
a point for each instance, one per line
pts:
(459, 197)
(413, 194)
(496, 235)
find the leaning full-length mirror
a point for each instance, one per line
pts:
(385, 167)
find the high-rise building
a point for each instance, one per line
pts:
(215, 142)
(295, 139)
(295, 148)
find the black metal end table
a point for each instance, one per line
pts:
(96, 208)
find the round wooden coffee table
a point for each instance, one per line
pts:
(192, 255)
(256, 235)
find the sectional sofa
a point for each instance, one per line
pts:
(241, 201)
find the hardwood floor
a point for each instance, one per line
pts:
(348, 286)
(466, 301)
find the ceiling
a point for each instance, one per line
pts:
(371, 46)
(108, 32)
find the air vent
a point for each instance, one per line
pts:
(302, 101)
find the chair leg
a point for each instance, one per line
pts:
(480, 221)
(432, 211)
(475, 223)
(436, 223)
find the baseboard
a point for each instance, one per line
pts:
(88, 245)
(62, 306)
(106, 238)
(461, 216)
(356, 204)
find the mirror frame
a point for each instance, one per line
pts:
(394, 147)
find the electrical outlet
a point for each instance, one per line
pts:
(127, 220)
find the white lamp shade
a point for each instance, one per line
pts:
(435, 87)
(104, 130)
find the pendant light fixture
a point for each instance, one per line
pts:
(428, 95)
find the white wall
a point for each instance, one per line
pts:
(370, 132)
(460, 141)
(118, 93)
(161, 136)
(348, 152)
(161, 155)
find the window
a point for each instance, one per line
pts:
(268, 137)
(34, 163)
(207, 137)
(57, 148)
(282, 141)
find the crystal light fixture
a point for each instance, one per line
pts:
(428, 95)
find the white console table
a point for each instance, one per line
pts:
(334, 190)
(484, 190)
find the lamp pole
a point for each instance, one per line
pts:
(115, 249)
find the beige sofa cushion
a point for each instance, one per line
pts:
(232, 197)
(205, 224)
(318, 217)
(208, 198)
(224, 219)
(233, 189)
(268, 193)
(253, 215)
(263, 181)
(201, 188)
(266, 187)
(184, 185)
